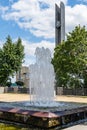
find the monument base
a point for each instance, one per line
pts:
(41, 119)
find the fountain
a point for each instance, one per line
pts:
(42, 79)
(42, 82)
(42, 110)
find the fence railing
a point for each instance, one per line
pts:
(16, 90)
(71, 91)
(59, 91)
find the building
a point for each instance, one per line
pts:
(23, 75)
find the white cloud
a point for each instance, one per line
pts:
(3, 9)
(75, 15)
(30, 15)
(1, 44)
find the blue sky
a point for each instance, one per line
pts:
(33, 21)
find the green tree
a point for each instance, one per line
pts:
(70, 59)
(8, 84)
(11, 58)
(20, 83)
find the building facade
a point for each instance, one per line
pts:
(23, 75)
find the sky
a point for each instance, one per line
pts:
(34, 22)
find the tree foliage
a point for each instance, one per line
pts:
(70, 59)
(8, 84)
(11, 58)
(20, 83)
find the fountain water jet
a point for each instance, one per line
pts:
(42, 79)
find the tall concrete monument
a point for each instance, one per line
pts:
(59, 23)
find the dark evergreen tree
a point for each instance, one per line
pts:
(11, 58)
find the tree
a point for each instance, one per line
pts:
(11, 58)
(20, 83)
(70, 59)
(8, 84)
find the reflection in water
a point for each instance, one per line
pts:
(4, 126)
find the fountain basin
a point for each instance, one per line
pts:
(43, 118)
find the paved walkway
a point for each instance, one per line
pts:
(25, 97)
(14, 97)
(78, 127)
